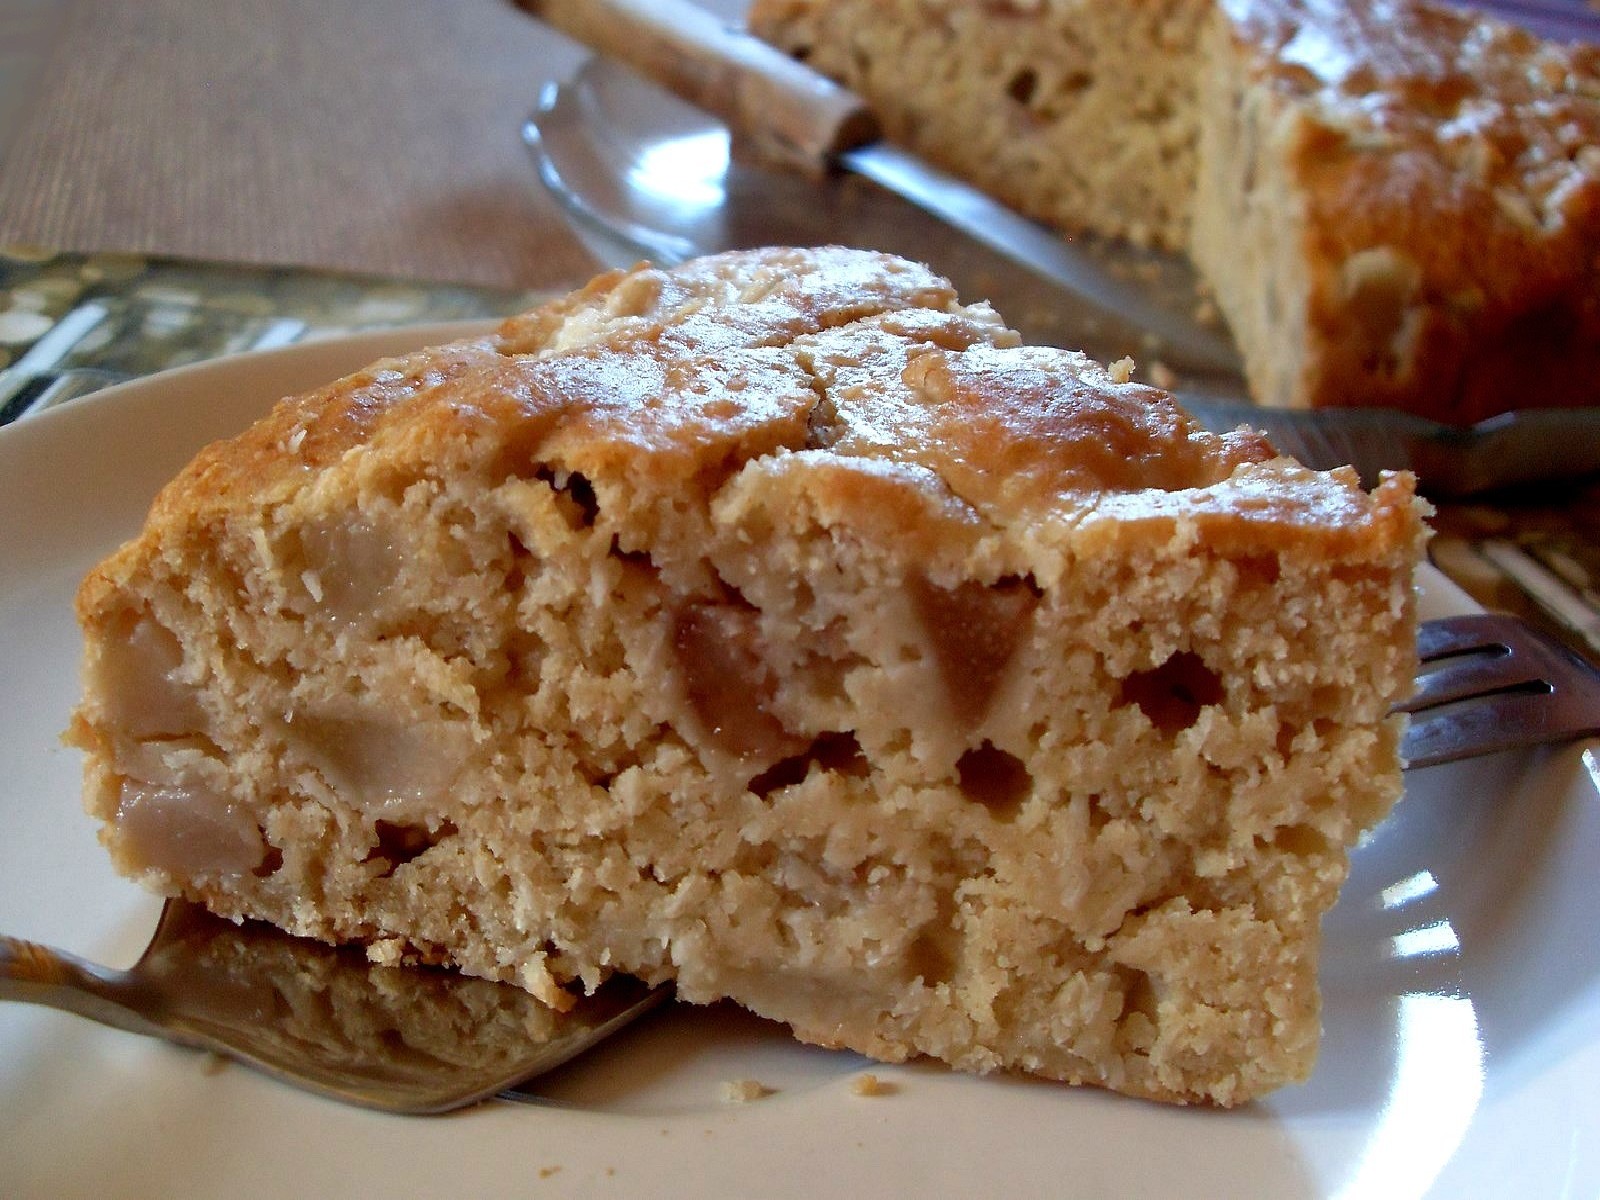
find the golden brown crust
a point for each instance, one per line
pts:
(1467, 150)
(688, 386)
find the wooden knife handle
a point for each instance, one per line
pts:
(776, 105)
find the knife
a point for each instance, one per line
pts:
(787, 113)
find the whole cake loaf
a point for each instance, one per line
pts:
(776, 625)
(1396, 203)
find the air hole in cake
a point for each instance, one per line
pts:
(636, 558)
(1136, 1027)
(516, 576)
(1076, 82)
(1301, 840)
(1173, 694)
(398, 844)
(930, 960)
(574, 493)
(823, 427)
(1283, 741)
(603, 774)
(1260, 569)
(524, 655)
(728, 682)
(995, 779)
(840, 753)
(1023, 86)
(786, 772)
(930, 956)
(1026, 583)
(270, 864)
(836, 752)
(1138, 992)
(973, 629)
(1098, 815)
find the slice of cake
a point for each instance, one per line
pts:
(779, 626)
(1396, 204)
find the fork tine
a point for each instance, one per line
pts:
(1469, 655)
(1495, 684)
(1492, 724)
(1497, 669)
(1444, 636)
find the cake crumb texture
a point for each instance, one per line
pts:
(779, 626)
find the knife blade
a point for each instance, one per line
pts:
(787, 113)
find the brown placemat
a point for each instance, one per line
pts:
(1535, 553)
(363, 135)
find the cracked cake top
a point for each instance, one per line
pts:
(657, 387)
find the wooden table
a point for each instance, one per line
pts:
(357, 135)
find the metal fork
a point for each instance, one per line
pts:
(1490, 682)
(397, 1039)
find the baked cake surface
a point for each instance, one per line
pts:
(777, 625)
(1397, 204)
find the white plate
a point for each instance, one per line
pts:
(1462, 975)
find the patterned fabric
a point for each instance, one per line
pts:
(1535, 553)
(72, 323)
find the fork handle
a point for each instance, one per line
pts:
(780, 107)
(35, 974)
